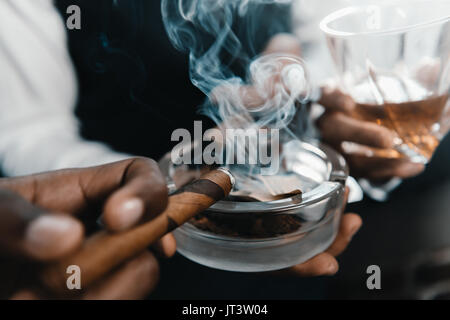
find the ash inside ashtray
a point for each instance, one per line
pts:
(247, 225)
(250, 188)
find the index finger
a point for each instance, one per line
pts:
(131, 188)
(143, 194)
(337, 127)
(334, 99)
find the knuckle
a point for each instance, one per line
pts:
(159, 187)
(156, 179)
(157, 175)
(154, 183)
(159, 196)
(147, 162)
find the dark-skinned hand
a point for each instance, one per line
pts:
(46, 216)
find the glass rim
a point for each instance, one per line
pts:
(324, 24)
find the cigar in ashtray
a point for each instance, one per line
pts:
(105, 251)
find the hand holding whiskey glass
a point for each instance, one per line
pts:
(394, 62)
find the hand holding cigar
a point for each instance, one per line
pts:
(104, 251)
(44, 217)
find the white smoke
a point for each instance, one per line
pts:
(245, 90)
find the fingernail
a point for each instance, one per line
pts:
(49, 233)
(130, 212)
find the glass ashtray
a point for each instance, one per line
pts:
(250, 236)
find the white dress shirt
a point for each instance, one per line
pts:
(38, 93)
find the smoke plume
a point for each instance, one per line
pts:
(225, 39)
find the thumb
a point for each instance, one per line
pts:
(29, 231)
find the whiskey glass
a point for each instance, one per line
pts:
(394, 61)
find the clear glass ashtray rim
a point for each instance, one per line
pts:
(337, 175)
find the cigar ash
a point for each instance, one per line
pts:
(271, 188)
(247, 225)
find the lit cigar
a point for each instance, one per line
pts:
(105, 251)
